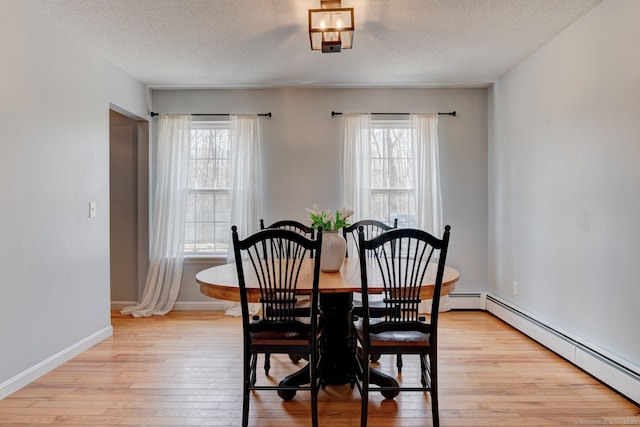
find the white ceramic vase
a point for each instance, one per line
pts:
(333, 251)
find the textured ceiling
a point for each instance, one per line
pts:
(265, 43)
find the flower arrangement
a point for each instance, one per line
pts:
(327, 219)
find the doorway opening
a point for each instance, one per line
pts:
(128, 207)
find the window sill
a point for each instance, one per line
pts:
(205, 259)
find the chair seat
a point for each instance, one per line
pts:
(280, 338)
(268, 333)
(404, 336)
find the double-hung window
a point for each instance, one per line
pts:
(208, 201)
(391, 169)
(392, 174)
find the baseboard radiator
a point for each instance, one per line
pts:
(617, 374)
(467, 300)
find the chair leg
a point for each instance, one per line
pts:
(245, 408)
(434, 390)
(399, 362)
(364, 410)
(313, 364)
(253, 363)
(364, 397)
(424, 368)
(246, 388)
(267, 364)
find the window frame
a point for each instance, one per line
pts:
(194, 221)
(389, 191)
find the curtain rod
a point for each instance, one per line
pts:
(453, 113)
(216, 114)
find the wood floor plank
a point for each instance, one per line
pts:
(182, 370)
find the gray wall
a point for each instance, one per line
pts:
(564, 182)
(302, 156)
(55, 97)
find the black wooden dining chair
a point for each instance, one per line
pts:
(371, 228)
(270, 260)
(400, 259)
(292, 225)
(307, 231)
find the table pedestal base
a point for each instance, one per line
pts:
(337, 360)
(338, 364)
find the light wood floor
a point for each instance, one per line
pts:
(183, 369)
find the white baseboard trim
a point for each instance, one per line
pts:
(213, 305)
(24, 378)
(119, 305)
(458, 301)
(620, 375)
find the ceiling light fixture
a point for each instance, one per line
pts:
(331, 27)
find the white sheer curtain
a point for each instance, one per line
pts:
(356, 174)
(424, 133)
(245, 184)
(245, 175)
(357, 164)
(426, 166)
(169, 210)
